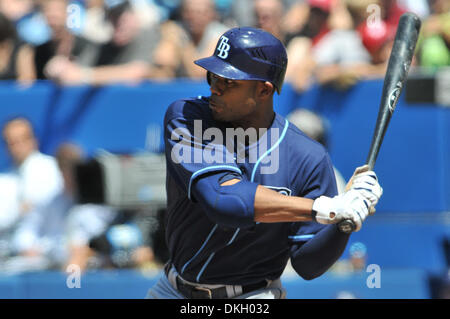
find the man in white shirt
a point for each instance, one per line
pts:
(58, 233)
(35, 177)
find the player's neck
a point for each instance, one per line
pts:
(263, 119)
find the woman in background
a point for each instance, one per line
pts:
(16, 57)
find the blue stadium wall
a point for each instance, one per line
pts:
(413, 165)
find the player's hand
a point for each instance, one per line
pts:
(350, 205)
(366, 181)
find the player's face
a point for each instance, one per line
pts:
(232, 101)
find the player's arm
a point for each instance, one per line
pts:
(314, 257)
(239, 203)
(272, 207)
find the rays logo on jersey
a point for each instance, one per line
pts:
(223, 48)
(282, 190)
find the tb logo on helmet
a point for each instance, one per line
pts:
(223, 47)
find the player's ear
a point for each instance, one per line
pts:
(266, 89)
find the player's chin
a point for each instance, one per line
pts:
(218, 114)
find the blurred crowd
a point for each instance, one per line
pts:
(44, 227)
(330, 42)
(99, 42)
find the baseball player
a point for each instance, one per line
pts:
(239, 207)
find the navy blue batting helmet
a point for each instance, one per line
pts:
(248, 54)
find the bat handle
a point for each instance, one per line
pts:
(346, 226)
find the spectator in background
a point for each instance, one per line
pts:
(347, 43)
(358, 256)
(340, 18)
(127, 57)
(419, 7)
(194, 36)
(376, 35)
(269, 17)
(316, 23)
(378, 39)
(38, 174)
(242, 13)
(295, 17)
(434, 42)
(29, 22)
(9, 211)
(300, 44)
(315, 127)
(32, 181)
(16, 9)
(63, 45)
(340, 57)
(16, 57)
(356, 261)
(361, 11)
(167, 8)
(58, 233)
(95, 26)
(391, 11)
(82, 222)
(131, 39)
(131, 241)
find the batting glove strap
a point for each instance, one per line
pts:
(323, 210)
(350, 205)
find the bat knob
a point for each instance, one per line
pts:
(347, 226)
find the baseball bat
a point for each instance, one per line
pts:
(398, 66)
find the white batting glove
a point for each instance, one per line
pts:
(366, 182)
(350, 205)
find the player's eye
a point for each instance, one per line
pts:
(229, 82)
(223, 81)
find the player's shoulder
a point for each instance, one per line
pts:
(301, 145)
(192, 107)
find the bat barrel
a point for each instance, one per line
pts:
(397, 71)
